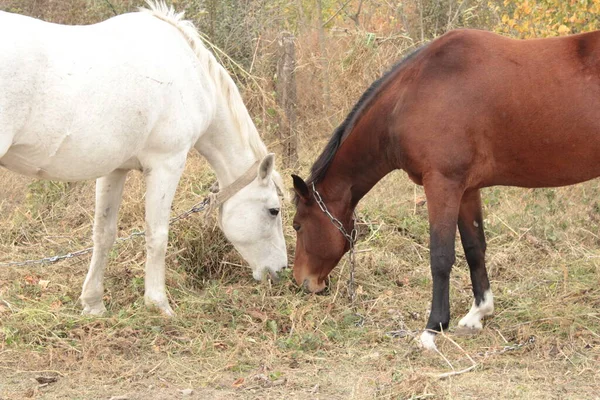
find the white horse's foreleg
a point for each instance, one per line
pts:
(109, 190)
(161, 183)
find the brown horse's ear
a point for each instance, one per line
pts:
(300, 188)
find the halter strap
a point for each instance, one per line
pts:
(220, 197)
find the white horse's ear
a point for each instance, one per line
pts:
(265, 169)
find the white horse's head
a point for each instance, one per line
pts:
(251, 220)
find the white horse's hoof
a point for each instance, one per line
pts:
(95, 308)
(162, 305)
(167, 311)
(427, 341)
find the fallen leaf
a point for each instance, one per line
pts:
(56, 305)
(219, 345)
(43, 283)
(258, 315)
(46, 379)
(30, 280)
(238, 382)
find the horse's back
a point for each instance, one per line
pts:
(94, 95)
(514, 112)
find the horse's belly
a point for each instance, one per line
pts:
(563, 164)
(69, 159)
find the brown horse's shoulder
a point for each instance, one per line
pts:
(456, 51)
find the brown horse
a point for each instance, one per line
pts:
(469, 110)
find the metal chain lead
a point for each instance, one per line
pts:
(54, 259)
(350, 237)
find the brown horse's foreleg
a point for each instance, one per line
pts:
(443, 199)
(470, 225)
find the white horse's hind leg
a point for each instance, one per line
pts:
(109, 190)
(161, 182)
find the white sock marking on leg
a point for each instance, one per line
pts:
(427, 340)
(485, 308)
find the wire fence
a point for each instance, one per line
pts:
(54, 259)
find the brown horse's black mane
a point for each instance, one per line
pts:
(319, 168)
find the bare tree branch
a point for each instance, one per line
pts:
(355, 16)
(335, 14)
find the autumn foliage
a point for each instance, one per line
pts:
(543, 18)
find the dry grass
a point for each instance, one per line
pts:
(236, 338)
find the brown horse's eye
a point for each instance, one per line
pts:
(274, 211)
(296, 227)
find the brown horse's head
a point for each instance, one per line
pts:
(319, 243)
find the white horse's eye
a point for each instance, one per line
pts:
(274, 211)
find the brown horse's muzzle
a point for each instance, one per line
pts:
(309, 282)
(313, 285)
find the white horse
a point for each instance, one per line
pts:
(137, 91)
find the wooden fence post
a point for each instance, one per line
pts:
(286, 88)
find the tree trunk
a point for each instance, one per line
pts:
(323, 61)
(286, 88)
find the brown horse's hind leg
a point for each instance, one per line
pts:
(470, 225)
(443, 199)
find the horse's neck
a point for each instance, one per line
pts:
(362, 160)
(229, 154)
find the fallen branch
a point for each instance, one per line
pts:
(454, 372)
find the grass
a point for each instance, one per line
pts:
(234, 338)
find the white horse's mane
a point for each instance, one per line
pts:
(221, 77)
(216, 71)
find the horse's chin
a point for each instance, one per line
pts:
(262, 273)
(274, 276)
(313, 285)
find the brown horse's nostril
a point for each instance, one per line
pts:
(305, 285)
(324, 291)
